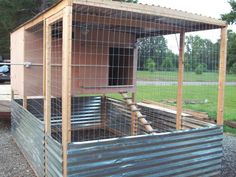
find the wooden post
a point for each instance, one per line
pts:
(222, 73)
(25, 102)
(66, 83)
(180, 81)
(134, 121)
(47, 78)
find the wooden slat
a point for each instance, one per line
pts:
(66, 83)
(222, 71)
(180, 81)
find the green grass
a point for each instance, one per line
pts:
(188, 76)
(199, 93)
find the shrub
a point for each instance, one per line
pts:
(199, 69)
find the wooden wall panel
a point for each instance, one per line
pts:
(17, 56)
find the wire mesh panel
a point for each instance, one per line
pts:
(118, 52)
(201, 71)
(56, 30)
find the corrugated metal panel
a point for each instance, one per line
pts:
(118, 116)
(28, 133)
(195, 152)
(54, 156)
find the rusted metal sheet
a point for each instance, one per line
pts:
(28, 133)
(194, 152)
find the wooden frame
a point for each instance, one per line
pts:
(47, 74)
(66, 83)
(222, 73)
(180, 81)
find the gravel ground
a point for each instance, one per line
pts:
(13, 163)
(229, 159)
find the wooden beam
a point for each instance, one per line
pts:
(180, 82)
(222, 73)
(66, 83)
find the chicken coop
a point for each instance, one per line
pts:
(75, 109)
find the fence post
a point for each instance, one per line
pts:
(180, 81)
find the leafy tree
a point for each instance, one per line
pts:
(231, 16)
(231, 50)
(202, 51)
(150, 65)
(170, 62)
(152, 47)
(233, 69)
(14, 13)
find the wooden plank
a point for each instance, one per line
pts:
(195, 114)
(231, 123)
(180, 81)
(152, 10)
(222, 73)
(66, 83)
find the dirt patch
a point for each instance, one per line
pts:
(12, 162)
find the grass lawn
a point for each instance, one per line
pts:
(188, 76)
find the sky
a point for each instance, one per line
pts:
(209, 8)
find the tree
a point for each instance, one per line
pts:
(233, 69)
(152, 47)
(231, 16)
(14, 13)
(170, 62)
(231, 50)
(150, 65)
(201, 51)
